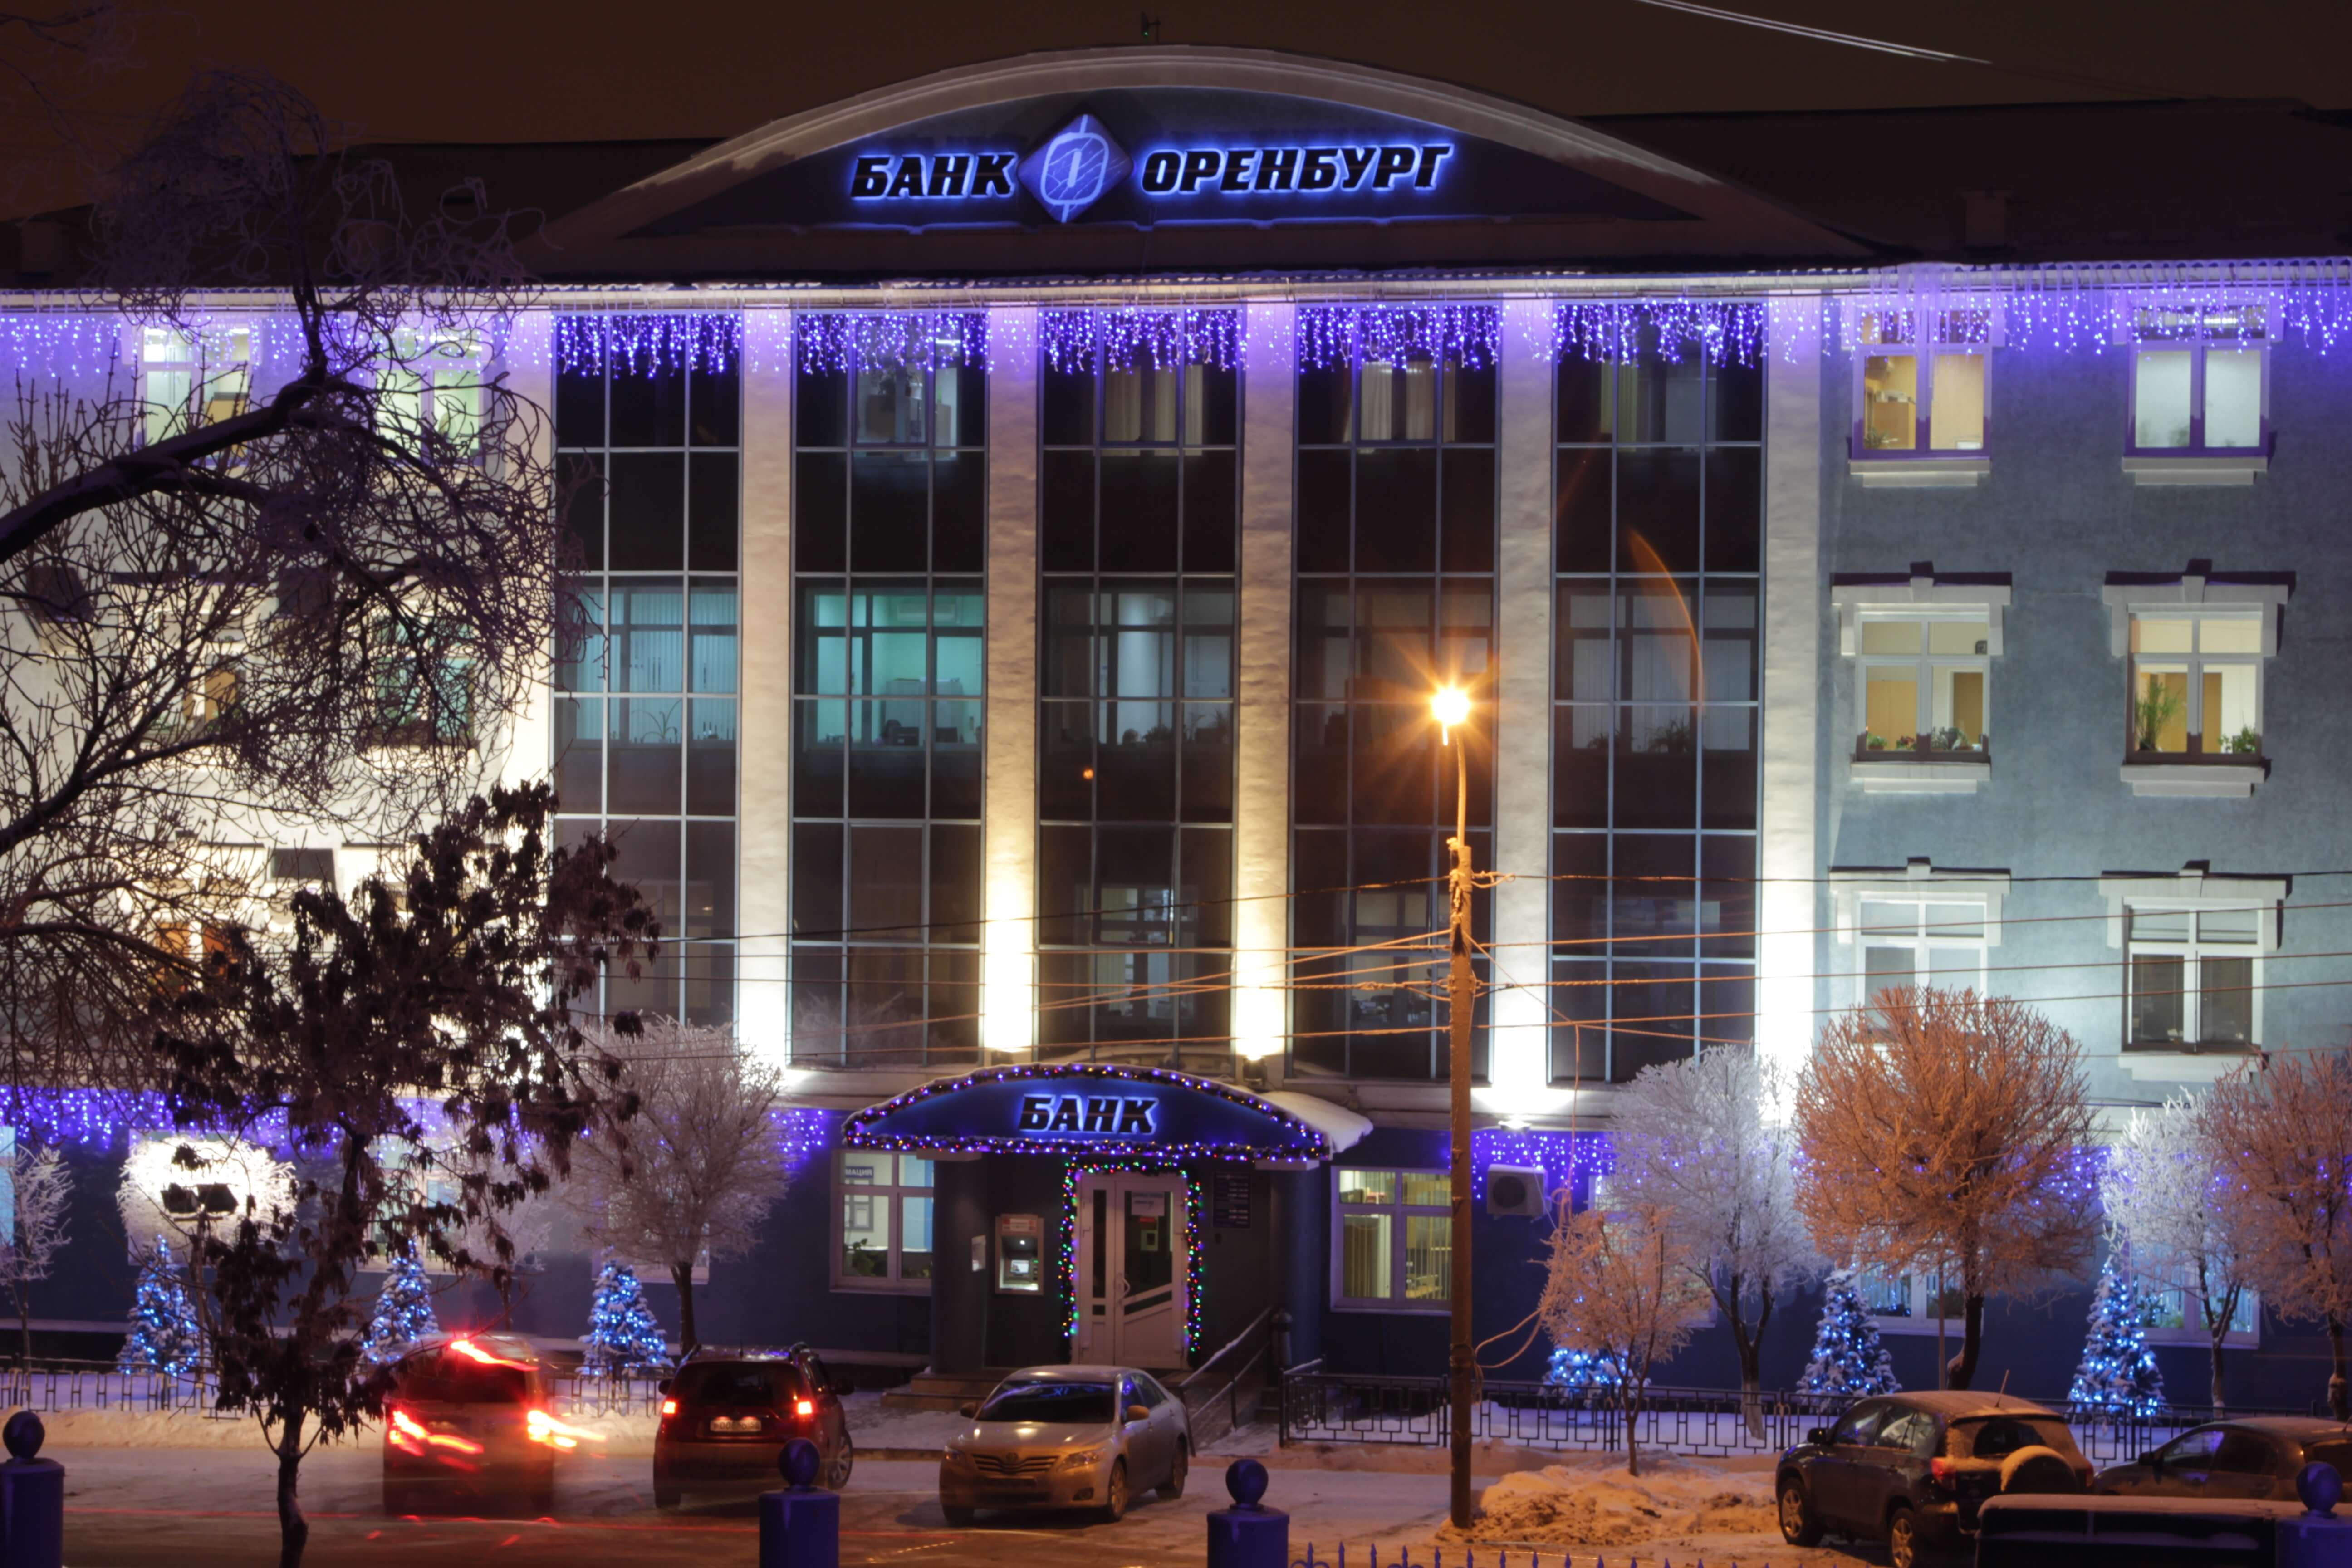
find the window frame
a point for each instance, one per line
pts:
(2199, 344)
(893, 1195)
(2196, 661)
(2194, 894)
(1923, 665)
(1918, 882)
(1869, 343)
(2194, 594)
(205, 371)
(1400, 1213)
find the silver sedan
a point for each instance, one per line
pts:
(1066, 1436)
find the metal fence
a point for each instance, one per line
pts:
(97, 1386)
(1318, 1406)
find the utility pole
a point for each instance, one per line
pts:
(1450, 707)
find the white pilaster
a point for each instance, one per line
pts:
(525, 748)
(1262, 717)
(1009, 810)
(763, 723)
(1518, 1061)
(1786, 903)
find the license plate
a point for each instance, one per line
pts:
(734, 1425)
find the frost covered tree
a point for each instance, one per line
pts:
(2117, 1375)
(2161, 1192)
(2283, 1144)
(1700, 1138)
(40, 1188)
(697, 1170)
(403, 1310)
(1623, 1286)
(1848, 1357)
(623, 1334)
(1941, 1134)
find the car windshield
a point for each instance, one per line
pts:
(1069, 1404)
(1999, 1436)
(447, 1377)
(737, 1383)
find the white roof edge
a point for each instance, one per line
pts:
(1341, 1126)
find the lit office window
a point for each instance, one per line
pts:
(1921, 383)
(2199, 382)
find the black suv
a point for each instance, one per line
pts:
(1911, 1469)
(727, 1414)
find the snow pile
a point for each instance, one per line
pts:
(1591, 1501)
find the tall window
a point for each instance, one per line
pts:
(193, 378)
(1921, 379)
(2197, 683)
(1393, 1245)
(2194, 975)
(1395, 560)
(431, 382)
(888, 541)
(1923, 682)
(644, 671)
(1908, 943)
(1136, 732)
(2199, 382)
(1653, 759)
(883, 1240)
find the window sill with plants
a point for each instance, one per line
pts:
(2183, 1061)
(2229, 773)
(1944, 762)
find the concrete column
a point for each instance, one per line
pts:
(1787, 904)
(525, 747)
(1262, 711)
(1009, 811)
(1518, 1061)
(764, 721)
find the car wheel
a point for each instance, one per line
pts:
(1798, 1525)
(1903, 1548)
(837, 1474)
(1114, 1508)
(958, 1518)
(542, 1499)
(398, 1499)
(665, 1495)
(1173, 1487)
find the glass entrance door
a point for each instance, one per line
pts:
(1132, 1270)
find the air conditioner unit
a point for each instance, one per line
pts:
(1516, 1190)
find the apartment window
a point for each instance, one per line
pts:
(432, 383)
(1922, 681)
(888, 541)
(1393, 1245)
(2196, 680)
(1659, 487)
(646, 667)
(2201, 381)
(316, 866)
(1909, 943)
(883, 1219)
(1921, 382)
(193, 378)
(2177, 1316)
(1139, 517)
(1907, 1303)
(1395, 562)
(2193, 977)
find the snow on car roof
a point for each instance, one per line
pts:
(1964, 1404)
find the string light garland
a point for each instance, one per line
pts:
(1335, 336)
(1304, 1143)
(1563, 1157)
(1125, 336)
(830, 342)
(1616, 331)
(1066, 1248)
(649, 343)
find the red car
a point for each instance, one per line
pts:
(469, 1416)
(727, 1415)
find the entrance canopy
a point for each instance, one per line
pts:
(1091, 1109)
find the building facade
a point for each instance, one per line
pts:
(1028, 509)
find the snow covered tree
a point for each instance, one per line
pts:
(2118, 1375)
(403, 1310)
(697, 1170)
(1941, 1134)
(1703, 1138)
(623, 1335)
(1624, 1287)
(2282, 1146)
(163, 1333)
(1847, 1358)
(2161, 1190)
(38, 1187)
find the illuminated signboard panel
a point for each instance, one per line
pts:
(1148, 1112)
(1149, 157)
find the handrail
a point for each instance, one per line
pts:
(1201, 1372)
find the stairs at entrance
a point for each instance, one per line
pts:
(930, 1390)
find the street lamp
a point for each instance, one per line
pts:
(1450, 706)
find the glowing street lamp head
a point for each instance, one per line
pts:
(1450, 706)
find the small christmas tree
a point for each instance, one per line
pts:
(1847, 1356)
(622, 1333)
(163, 1333)
(2117, 1375)
(403, 1310)
(1581, 1372)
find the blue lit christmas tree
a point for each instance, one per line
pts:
(622, 1333)
(1581, 1372)
(163, 1333)
(403, 1310)
(1848, 1358)
(2117, 1375)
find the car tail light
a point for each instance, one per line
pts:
(1941, 1471)
(803, 1407)
(669, 1408)
(541, 1427)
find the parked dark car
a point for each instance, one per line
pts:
(469, 1416)
(2256, 1457)
(728, 1413)
(1911, 1469)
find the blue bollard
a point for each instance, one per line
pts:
(1247, 1535)
(32, 1498)
(2318, 1539)
(799, 1528)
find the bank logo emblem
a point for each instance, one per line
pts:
(1076, 168)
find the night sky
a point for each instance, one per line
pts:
(542, 71)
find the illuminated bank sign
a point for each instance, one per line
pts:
(1081, 163)
(1031, 1110)
(1084, 1114)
